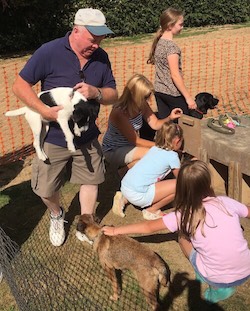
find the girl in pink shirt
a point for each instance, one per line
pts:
(210, 234)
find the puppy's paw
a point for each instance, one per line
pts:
(72, 148)
(42, 156)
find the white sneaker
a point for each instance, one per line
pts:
(118, 204)
(56, 230)
(151, 216)
(83, 238)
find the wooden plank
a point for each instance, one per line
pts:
(192, 134)
(235, 181)
(203, 155)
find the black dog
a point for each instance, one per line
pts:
(204, 101)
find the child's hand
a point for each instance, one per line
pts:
(109, 230)
(176, 113)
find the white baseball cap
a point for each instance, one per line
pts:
(93, 20)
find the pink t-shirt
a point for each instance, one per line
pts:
(223, 255)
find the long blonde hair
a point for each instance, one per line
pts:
(193, 185)
(168, 18)
(135, 94)
(164, 137)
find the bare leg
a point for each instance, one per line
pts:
(87, 198)
(137, 155)
(53, 204)
(164, 194)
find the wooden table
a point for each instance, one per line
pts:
(231, 150)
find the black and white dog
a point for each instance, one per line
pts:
(75, 106)
(204, 101)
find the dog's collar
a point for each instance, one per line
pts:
(199, 111)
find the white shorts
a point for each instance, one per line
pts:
(140, 199)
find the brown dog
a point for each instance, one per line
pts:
(122, 252)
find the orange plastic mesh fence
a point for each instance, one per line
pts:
(220, 66)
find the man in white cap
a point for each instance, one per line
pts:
(93, 20)
(77, 61)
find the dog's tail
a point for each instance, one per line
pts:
(17, 112)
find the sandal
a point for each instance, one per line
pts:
(118, 204)
(150, 215)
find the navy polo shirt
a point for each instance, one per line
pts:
(55, 64)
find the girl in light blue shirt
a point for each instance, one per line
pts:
(144, 185)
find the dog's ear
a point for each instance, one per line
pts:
(201, 101)
(94, 108)
(84, 221)
(77, 113)
(81, 227)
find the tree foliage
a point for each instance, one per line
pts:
(26, 24)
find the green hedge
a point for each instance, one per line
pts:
(26, 24)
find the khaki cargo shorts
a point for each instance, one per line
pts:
(84, 167)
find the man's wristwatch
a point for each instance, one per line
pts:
(99, 96)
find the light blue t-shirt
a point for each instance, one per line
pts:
(153, 167)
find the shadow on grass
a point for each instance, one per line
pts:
(107, 191)
(157, 238)
(10, 171)
(21, 215)
(181, 282)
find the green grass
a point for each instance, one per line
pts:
(4, 200)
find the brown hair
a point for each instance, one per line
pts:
(168, 18)
(136, 91)
(193, 185)
(164, 137)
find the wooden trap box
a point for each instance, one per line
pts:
(192, 135)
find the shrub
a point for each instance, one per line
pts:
(27, 24)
